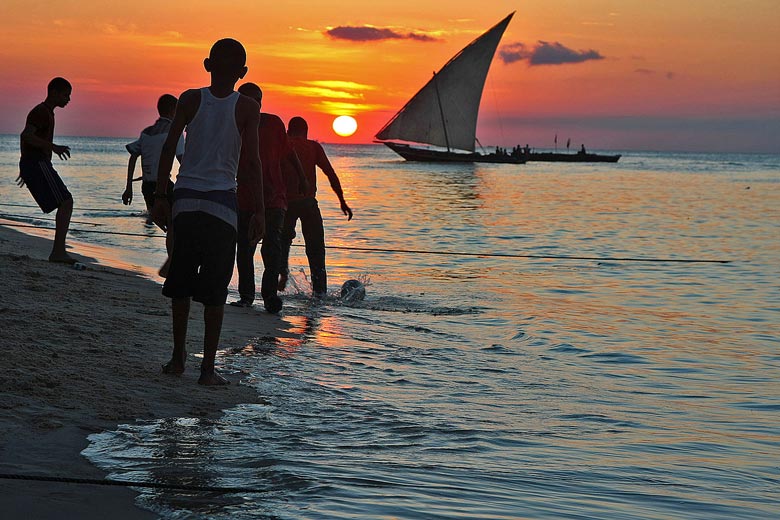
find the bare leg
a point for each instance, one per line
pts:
(212, 316)
(62, 219)
(180, 308)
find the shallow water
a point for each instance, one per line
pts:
(487, 386)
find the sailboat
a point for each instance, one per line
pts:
(444, 112)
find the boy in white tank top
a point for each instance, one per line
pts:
(219, 123)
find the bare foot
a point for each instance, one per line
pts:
(212, 378)
(62, 258)
(173, 367)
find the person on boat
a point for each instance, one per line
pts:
(582, 149)
(304, 207)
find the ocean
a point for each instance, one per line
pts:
(533, 345)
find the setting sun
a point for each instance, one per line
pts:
(344, 125)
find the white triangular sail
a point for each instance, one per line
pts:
(444, 112)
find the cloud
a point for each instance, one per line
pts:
(329, 89)
(369, 33)
(546, 53)
(514, 52)
(649, 72)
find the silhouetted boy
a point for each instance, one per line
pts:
(306, 208)
(274, 150)
(220, 124)
(36, 170)
(148, 146)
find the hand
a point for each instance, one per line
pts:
(161, 213)
(127, 196)
(63, 152)
(256, 228)
(20, 181)
(346, 210)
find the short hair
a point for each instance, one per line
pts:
(166, 104)
(298, 126)
(59, 85)
(227, 55)
(251, 90)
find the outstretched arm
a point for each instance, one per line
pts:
(335, 184)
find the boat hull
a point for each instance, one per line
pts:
(424, 155)
(571, 157)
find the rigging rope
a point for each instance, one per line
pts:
(428, 252)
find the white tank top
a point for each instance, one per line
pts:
(212, 147)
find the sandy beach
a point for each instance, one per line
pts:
(81, 353)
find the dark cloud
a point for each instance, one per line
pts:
(370, 34)
(514, 52)
(546, 53)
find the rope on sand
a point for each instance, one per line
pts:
(426, 252)
(124, 483)
(28, 217)
(31, 206)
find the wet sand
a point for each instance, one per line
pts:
(81, 353)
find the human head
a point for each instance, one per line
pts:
(166, 105)
(297, 127)
(58, 91)
(227, 58)
(253, 91)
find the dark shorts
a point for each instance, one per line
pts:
(204, 250)
(44, 184)
(148, 188)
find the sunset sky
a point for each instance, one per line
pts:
(693, 75)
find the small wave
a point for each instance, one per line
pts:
(569, 349)
(616, 358)
(497, 349)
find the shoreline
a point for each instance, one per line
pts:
(83, 351)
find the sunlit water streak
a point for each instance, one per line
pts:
(483, 387)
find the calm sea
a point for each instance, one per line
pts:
(488, 387)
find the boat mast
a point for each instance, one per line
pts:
(441, 111)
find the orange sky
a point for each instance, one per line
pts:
(667, 75)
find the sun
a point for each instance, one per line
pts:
(344, 125)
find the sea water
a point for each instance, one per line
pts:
(571, 380)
